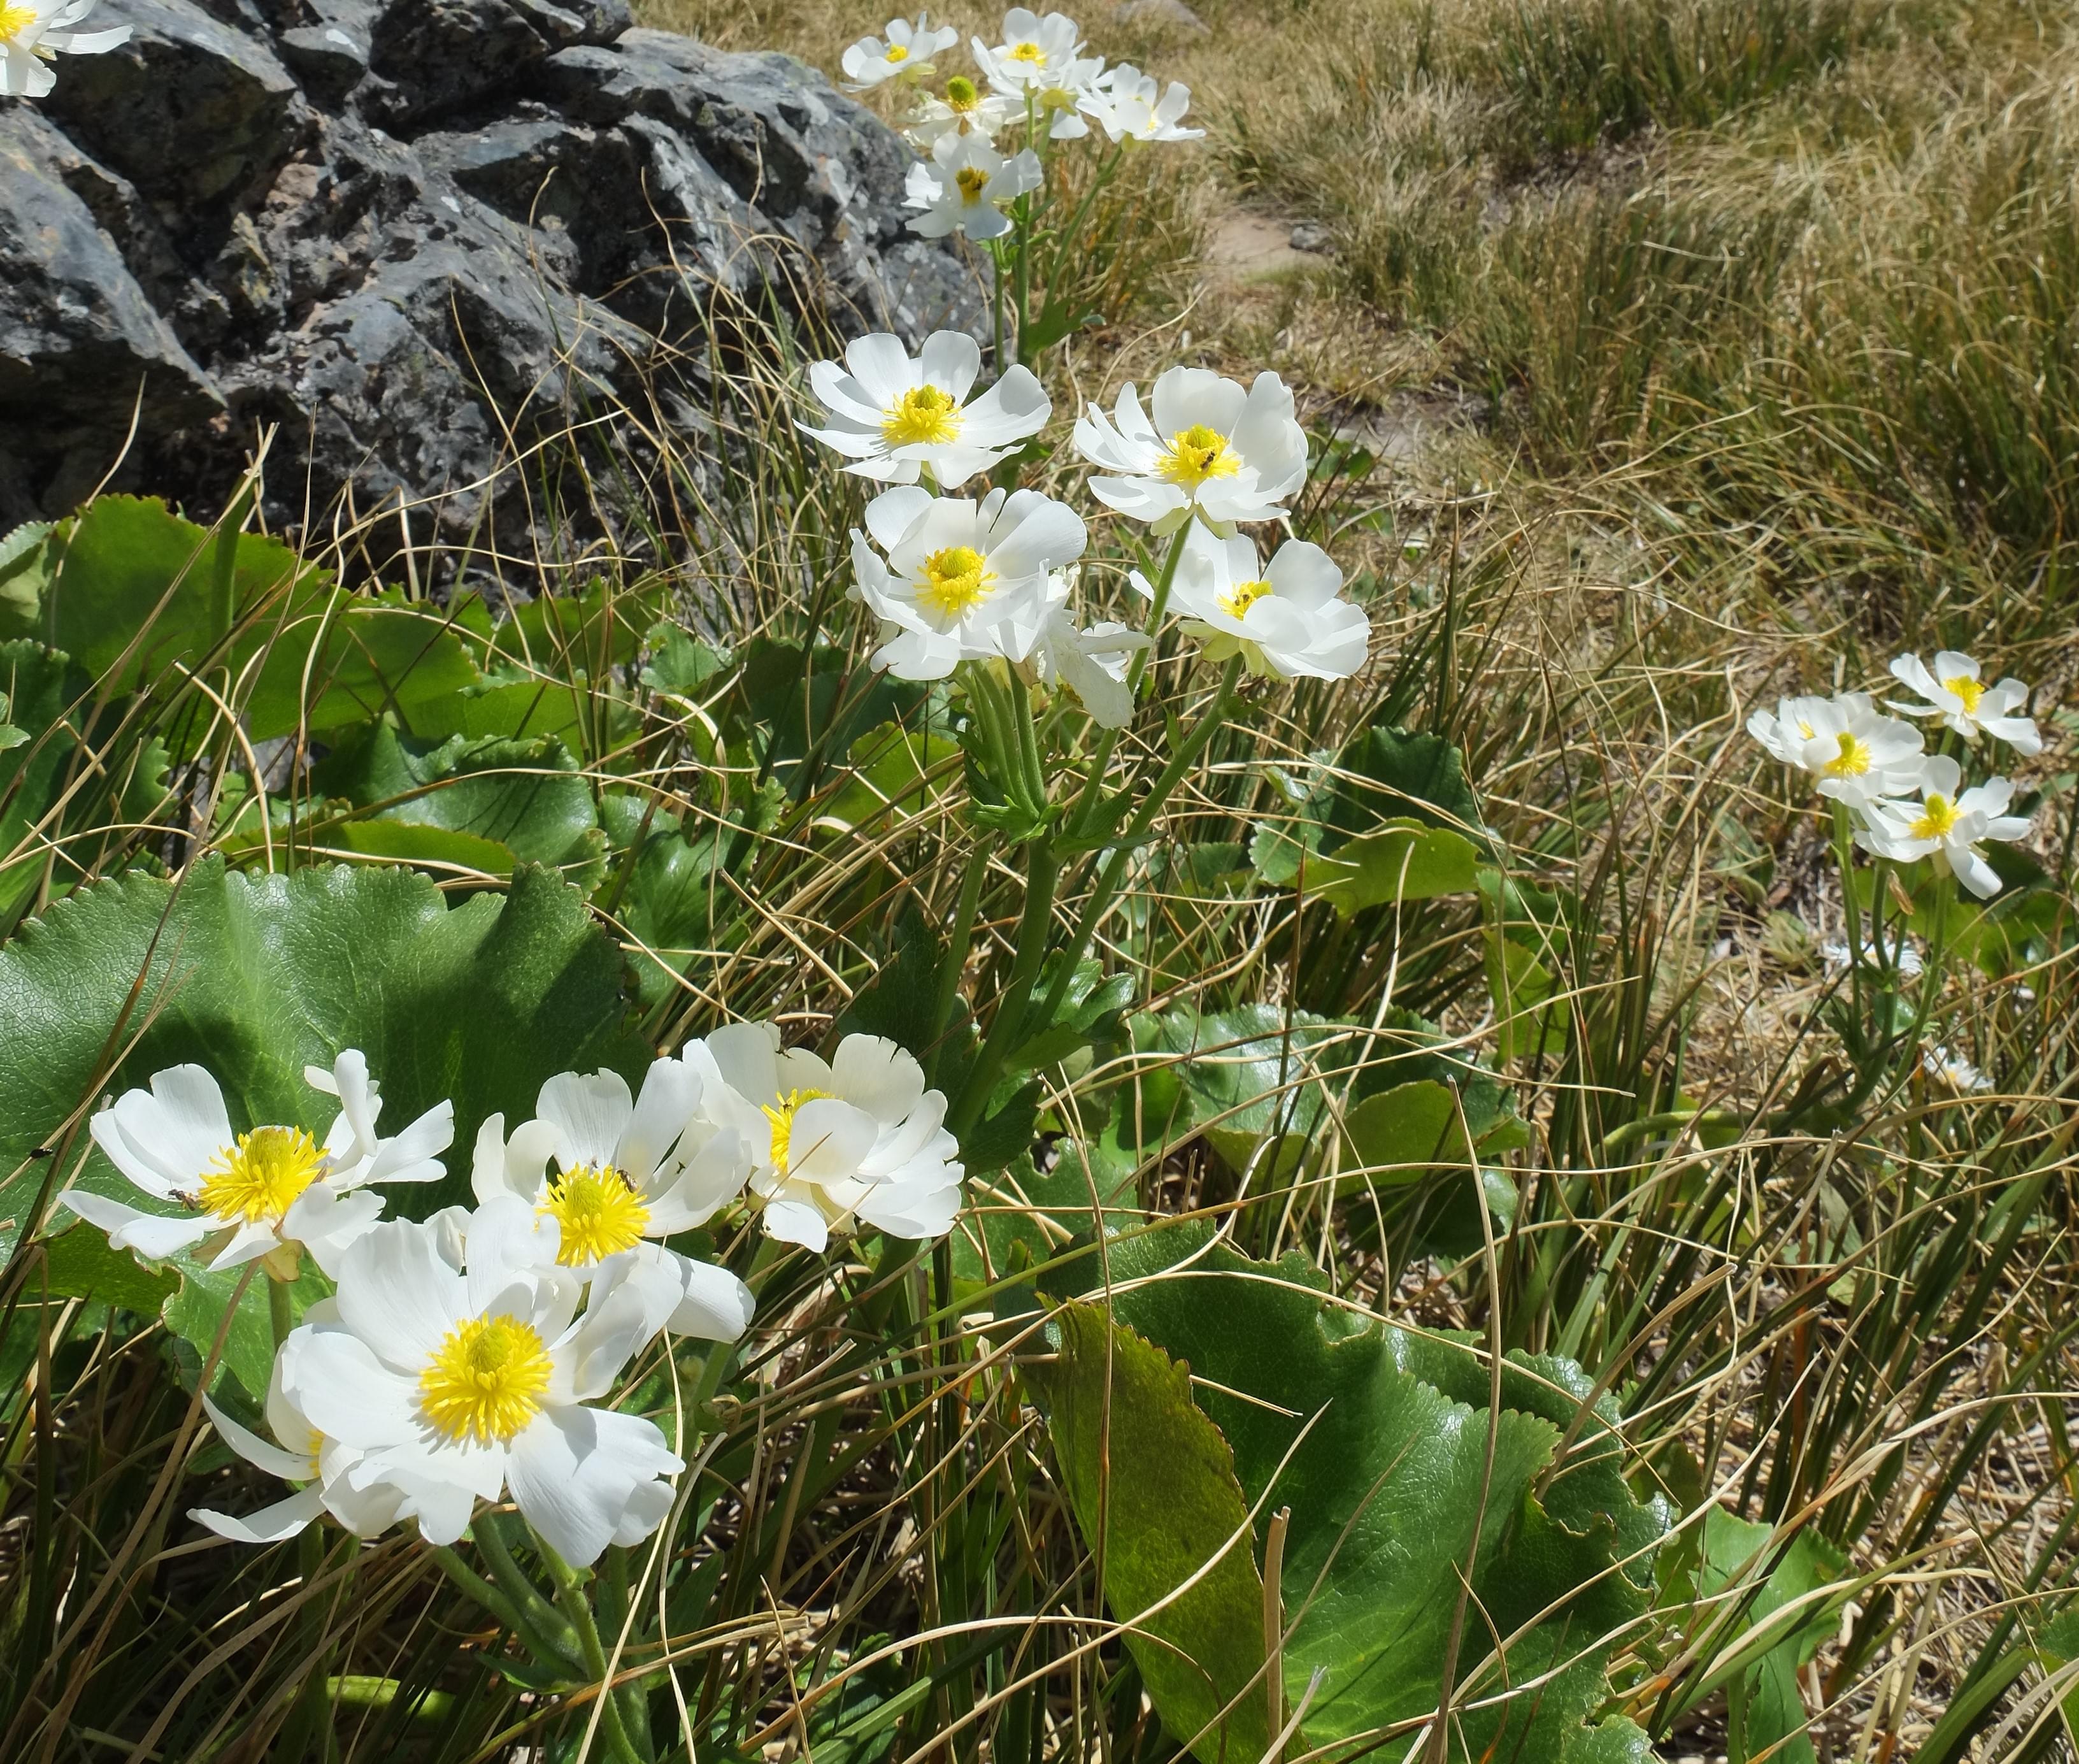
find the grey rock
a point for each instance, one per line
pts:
(426, 241)
(1311, 235)
(1160, 18)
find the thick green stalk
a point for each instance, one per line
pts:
(954, 962)
(1042, 870)
(570, 1595)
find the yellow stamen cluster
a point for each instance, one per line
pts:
(1938, 819)
(971, 181)
(922, 416)
(896, 52)
(261, 1177)
(1196, 455)
(1968, 692)
(782, 1118)
(1852, 761)
(600, 1214)
(486, 1379)
(962, 93)
(1029, 52)
(15, 20)
(955, 581)
(1245, 595)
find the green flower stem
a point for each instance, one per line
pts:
(1187, 753)
(539, 1623)
(1081, 820)
(1844, 854)
(955, 959)
(1043, 869)
(1021, 217)
(995, 248)
(570, 1595)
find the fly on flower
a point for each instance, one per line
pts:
(34, 33)
(1288, 619)
(962, 580)
(963, 186)
(629, 1169)
(269, 1192)
(1213, 449)
(857, 1139)
(897, 418)
(903, 52)
(450, 1378)
(1953, 691)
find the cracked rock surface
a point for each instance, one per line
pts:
(417, 238)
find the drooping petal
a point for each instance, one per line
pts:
(276, 1460)
(573, 1472)
(154, 1236)
(269, 1524)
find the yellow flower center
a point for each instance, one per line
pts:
(971, 181)
(1029, 52)
(962, 93)
(486, 1381)
(1969, 690)
(783, 1122)
(1197, 454)
(923, 418)
(1852, 761)
(15, 20)
(955, 581)
(1938, 817)
(896, 52)
(600, 1214)
(1245, 595)
(262, 1175)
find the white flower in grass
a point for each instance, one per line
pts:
(1033, 52)
(902, 51)
(628, 1170)
(1855, 753)
(967, 112)
(1214, 448)
(1131, 105)
(1785, 731)
(34, 33)
(450, 1381)
(962, 187)
(263, 1193)
(1089, 662)
(898, 418)
(1287, 620)
(1953, 691)
(1946, 825)
(1946, 1066)
(858, 1139)
(962, 580)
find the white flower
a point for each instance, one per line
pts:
(1953, 692)
(262, 1193)
(1855, 752)
(629, 1169)
(1130, 106)
(1288, 620)
(1229, 454)
(1946, 826)
(961, 186)
(859, 1139)
(906, 54)
(1089, 663)
(308, 1457)
(898, 418)
(1785, 731)
(966, 111)
(33, 33)
(1033, 50)
(1951, 1068)
(963, 580)
(448, 1381)
(1905, 957)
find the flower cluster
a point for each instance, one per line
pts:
(953, 580)
(1906, 803)
(465, 1357)
(1037, 81)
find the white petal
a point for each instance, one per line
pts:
(325, 1221)
(153, 1236)
(290, 1466)
(573, 1472)
(399, 1295)
(747, 1056)
(270, 1524)
(334, 1378)
(828, 1140)
(794, 1221)
(949, 360)
(592, 1109)
(670, 1093)
(714, 1305)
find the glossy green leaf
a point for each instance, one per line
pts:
(78, 1264)
(1403, 861)
(1146, 1471)
(891, 772)
(1378, 1439)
